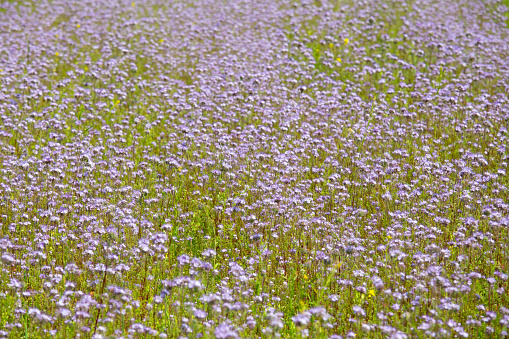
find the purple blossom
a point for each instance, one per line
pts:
(225, 331)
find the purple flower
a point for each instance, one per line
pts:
(200, 314)
(302, 319)
(359, 311)
(225, 331)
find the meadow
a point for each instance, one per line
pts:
(254, 169)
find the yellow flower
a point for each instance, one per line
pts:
(133, 4)
(161, 41)
(305, 277)
(346, 41)
(86, 68)
(56, 53)
(331, 45)
(56, 35)
(338, 59)
(338, 265)
(78, 26)
(371, 293)
(389, 237)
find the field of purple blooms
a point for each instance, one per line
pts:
(254, 169)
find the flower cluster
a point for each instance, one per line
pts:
(271, 168)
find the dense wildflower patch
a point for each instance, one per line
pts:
(248, 169)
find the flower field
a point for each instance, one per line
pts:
(254, 169)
